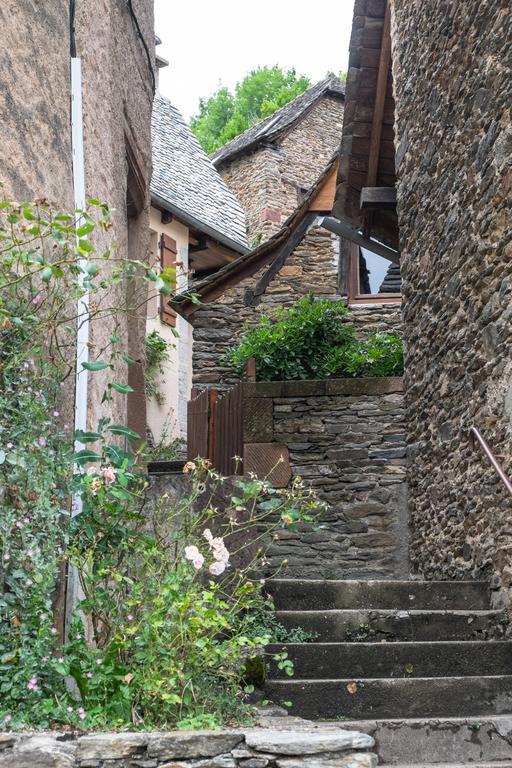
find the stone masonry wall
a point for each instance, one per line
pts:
(312, 268)
(248, 748)
(268, 182)
(35, 129)
(453, 92)
(345, 438)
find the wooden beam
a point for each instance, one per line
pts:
(378, 199)
(323, 199)
(286, 250)
(380, 97)
(378, 112)
(346, 230)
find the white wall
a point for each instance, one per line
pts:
(176, 381)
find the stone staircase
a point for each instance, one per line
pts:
(422, 666)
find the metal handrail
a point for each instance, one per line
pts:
(475, 435)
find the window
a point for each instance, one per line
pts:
(371, 277)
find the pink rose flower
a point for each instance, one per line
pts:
(217, 568)
(109, 474)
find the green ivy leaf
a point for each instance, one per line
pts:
(87, 437)
(124, 389)
(85, 455)
(97, 365)
(118, 429)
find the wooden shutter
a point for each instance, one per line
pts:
(168, 253)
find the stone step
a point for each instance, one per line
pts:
(500, 764)
(394, 697)
(398, 659)
(363, 625)
(295, 594)
(456, 741)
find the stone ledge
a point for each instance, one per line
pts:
(321, 387)
(288, 747)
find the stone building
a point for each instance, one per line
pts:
(40, 149)
(301, 258)
(197, 226)
(272, 165)
(442, 74)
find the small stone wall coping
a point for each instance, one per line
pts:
(251, 748)
(364, 386)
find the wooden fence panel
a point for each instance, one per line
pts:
(229, 432)
(215, 428)
(198, 417)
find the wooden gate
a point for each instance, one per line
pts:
(215, 428)
(229, 438)
(200, 414)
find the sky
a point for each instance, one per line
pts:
(212, 43)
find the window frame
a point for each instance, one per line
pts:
(353, 294)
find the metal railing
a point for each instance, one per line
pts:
(476, 437)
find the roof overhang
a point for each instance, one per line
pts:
(367, 153)
(165, 205)
(318, 201)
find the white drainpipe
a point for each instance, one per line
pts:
(73, 592)
(82, 337)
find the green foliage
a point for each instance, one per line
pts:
(172, 603)
(224, 115)
(312, 340)
(157, 353)
(168, 448)
(163, 634)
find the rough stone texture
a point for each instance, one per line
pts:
(188, 749)
(346, 438)
(43, 751)
(352, 760)
(311, 268)
(451, 69)
(269, 182)
(292, 743)
(35, 132)
(192, 745)
(219, 324)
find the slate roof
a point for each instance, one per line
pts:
(270, 128)
(186, 183)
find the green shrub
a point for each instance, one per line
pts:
(312, 340)
(157, 353)
(164, 631)
(295, 343)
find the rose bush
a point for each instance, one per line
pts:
(172, 608)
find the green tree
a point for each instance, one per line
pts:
(225, 115)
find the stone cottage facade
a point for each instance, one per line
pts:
(301, 258)
(442, 195)
(115, 47)
(272, 165)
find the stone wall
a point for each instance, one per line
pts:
(312, 268)
(35, 126)
(453, 90)
(247, 748)
(269, 181)
(345, 438)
